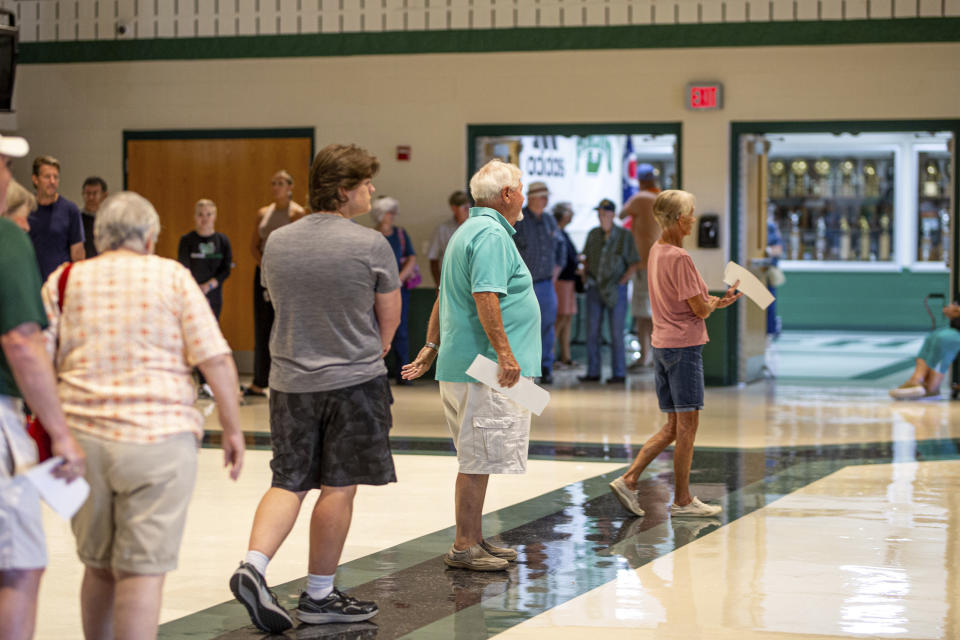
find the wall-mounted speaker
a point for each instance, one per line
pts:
(9, 37)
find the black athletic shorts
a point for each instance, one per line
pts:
(335, 438)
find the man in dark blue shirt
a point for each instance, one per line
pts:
(56, 228)
(540, 247)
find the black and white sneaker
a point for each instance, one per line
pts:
(250, 588)
(336, 607)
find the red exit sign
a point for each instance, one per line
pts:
(704, 95)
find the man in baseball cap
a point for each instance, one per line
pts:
(25, 374)
(611, 258)
(541, 249)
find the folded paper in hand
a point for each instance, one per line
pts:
(524, 393)
(750, 285)
(64, 498)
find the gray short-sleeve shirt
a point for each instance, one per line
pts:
(322, 273)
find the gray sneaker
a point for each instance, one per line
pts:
(508, 554)
(695, 508)
(475, 558)
(250, 588)
(627, 497)
(336, 607)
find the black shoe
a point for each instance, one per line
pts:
(547, 379)
(250, 588)
(336, 607)
(251, 393)
(588, 378)
(616, 380)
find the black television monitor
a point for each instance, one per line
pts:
(8, 58)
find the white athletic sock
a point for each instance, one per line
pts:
(319, 587)
(258, 560)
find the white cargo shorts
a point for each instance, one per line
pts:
(490, 431)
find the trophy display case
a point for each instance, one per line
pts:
(833, 207)
(933, 206)
(870, 201)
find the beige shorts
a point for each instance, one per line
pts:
(133, 520)
(640, 302)
(490, 431)
(22, 545)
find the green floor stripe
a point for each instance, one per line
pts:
(890, 369)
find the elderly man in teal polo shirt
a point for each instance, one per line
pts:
(486, 306)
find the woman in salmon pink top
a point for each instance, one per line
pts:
(680, 303)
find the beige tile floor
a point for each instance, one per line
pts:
(762, 414)
(218, 525)
(869, 552)
(764, 591)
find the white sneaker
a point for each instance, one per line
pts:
(908, 393)
(627, 498)
(695, 508)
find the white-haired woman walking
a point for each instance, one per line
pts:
(128, 330)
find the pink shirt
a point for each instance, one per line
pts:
(133, 327)
(673, 279)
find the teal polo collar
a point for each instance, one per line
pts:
(492, 213)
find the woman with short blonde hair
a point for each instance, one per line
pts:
(680, 303)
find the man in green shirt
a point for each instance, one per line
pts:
(486, 306)
(24, 369)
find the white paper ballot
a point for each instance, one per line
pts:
(750, 285)
(63, 498)
(524, 393)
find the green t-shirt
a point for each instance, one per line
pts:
(608, 258)
(482, 257)
(19, 292)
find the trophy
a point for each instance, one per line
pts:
(871, 180)
(778, 179)
(821, 242)
(799, 170)
(844, 238)
(847, 187)
(795, 235)
(822, 170)
(931, 179)
(883, 248)
(926, 244)
(864, 238)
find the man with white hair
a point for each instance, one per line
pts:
(486, 305)
(25, 371)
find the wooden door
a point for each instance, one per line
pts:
(235, 172)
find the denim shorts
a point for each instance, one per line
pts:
(679, 377)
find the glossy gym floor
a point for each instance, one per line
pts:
(841, 519)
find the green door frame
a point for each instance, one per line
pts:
(215, 134)
(738, 129)
(573, 129)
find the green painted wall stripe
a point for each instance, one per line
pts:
(747, 34)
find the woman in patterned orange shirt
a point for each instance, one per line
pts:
(126, 335)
